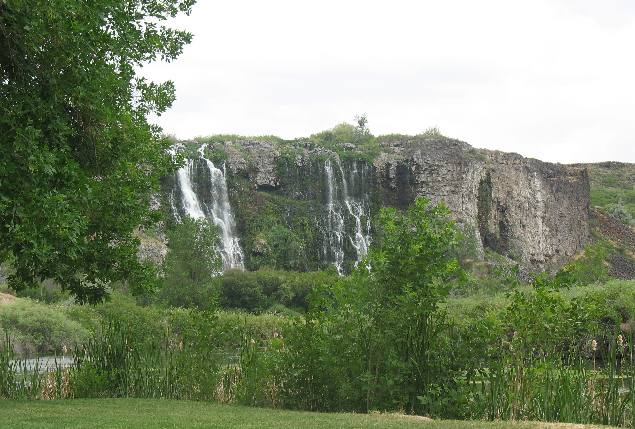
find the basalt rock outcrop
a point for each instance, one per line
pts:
(300, 205)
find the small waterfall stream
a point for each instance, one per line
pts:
(357, 208)
(190, 202)
(219, 211)
(346, 206)
(223, 217)
(335, 219)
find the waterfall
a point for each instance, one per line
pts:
(188, 197)
(357, 207)
(361, 241)
(219, 211)
(175, 212)
(221, 214)
(335, 219)
(344, 205)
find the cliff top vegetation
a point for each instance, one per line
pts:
(613, 189)
(349, 141)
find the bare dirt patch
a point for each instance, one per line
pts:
(5, 298)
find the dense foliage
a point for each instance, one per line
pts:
(78, 161)
(271, 290)
(375, 339)
(191, 264)
(540, 354)
(390, 336)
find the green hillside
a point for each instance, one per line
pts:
(613, 187)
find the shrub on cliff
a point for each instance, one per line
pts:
(619, 212)
(344, 137)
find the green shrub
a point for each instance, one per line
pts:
(621, 213)
(493, 275)
(376, 339)
(47, 292)
(39, 329)
(259, 290)
(432, 133)
(365, 143)
(239, 328)
(86, 315)
(140, 322)
(190, 265)
(590, 267)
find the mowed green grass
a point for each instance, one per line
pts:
(145, 413)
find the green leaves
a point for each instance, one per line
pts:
(414, 250)
(79, 161)
(191, 264)
(377, 339)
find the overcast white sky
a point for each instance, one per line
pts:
(550, 79)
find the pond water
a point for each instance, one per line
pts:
(43, 364)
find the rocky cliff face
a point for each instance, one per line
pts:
(298, 205)
(531, 211)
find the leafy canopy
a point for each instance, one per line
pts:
(414, 252)
(79, 161)
(379, 336)
(192, 262)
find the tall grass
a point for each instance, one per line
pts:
(173, 365)
(550, 388)
(110, 364)
(24, 379)
(189, 360)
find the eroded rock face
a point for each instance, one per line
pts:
(538, 212)
(152, 247)
(534, 212)
(257, 158)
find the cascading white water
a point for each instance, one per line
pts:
(175, 212)
(341, 205)
(361, 241)
(219, 211)
(188, 197)
(335, 219)
(223, 217)
(357, 208)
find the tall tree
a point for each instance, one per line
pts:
(79, 161)
(192, 262)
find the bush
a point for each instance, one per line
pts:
(259, 290)
(589, 267)
(376, 339)
(345, 133)
(191, 264)
(47, 292)
(620, 212)
(242, 290)
(39, 329)
(142, 322)
(432, 133)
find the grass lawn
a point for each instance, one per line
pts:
(144, 413)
